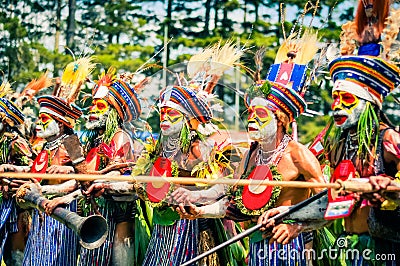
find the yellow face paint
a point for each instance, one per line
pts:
(171, 115)
(99, 107)
(343, 100)
(260, 115)
(44, 120)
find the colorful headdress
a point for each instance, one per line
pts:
(60, 105)
(370, 74)
(368, 77)
(8, 109)
(119, 94)
(186, 101)
(12, 112)
(59, 109)
(195, 98)
(284, 87)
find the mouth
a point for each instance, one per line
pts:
(93, 118)
(339, 119)
(164, 127)
(252, 129)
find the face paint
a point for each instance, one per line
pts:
(46, 126)
(98, 114)
(171, 121)
(347, 109)
(1, 126)
(262, 123)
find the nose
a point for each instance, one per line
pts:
(336, 104)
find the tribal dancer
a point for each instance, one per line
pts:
(366, 144)
(274, 155)
(185, 117)
(15, 153)
(114, 102)
(51, 242)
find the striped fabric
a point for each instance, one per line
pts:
(264, 254)
(280, 96)
(8, 221)
(50, 242)
(12, 111)
(172, 245)
(186, 101)
(125, 100)
(102, 255)
(372, 73)
(288, 100)
(59, 109)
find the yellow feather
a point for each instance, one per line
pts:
(5, 88)
(308, 47)
(224, 58)
(197, 62)
(303, 48)
(281, 55)
(76, 72)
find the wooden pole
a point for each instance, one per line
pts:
(175, 180)
(345, 185)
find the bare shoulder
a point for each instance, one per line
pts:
(392, 136)
(300, 153)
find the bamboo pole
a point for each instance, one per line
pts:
(352, 185)
(175, 180)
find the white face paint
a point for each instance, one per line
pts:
(262, 123)
(171, 121)
(49, 130)
(97, 121)
(98, 115)
(347, 109)
(1, 126)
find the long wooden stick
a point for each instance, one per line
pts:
(175, 180)
(345, 185)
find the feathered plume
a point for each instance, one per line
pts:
(5, 88)
(141, 84)
(222, 59)
(348, 38)
(36, 85)
(106, 79)
(370, 20)
(390, 33)
(298, 50)
(258, 61)
(73, 77)
(198, 62)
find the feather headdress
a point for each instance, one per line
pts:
(75, 73)
(390, 35)
(5, 88)
(298, 50)
(33, 87)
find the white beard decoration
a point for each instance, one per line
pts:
(96, 121)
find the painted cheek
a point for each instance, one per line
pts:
(175, 119)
